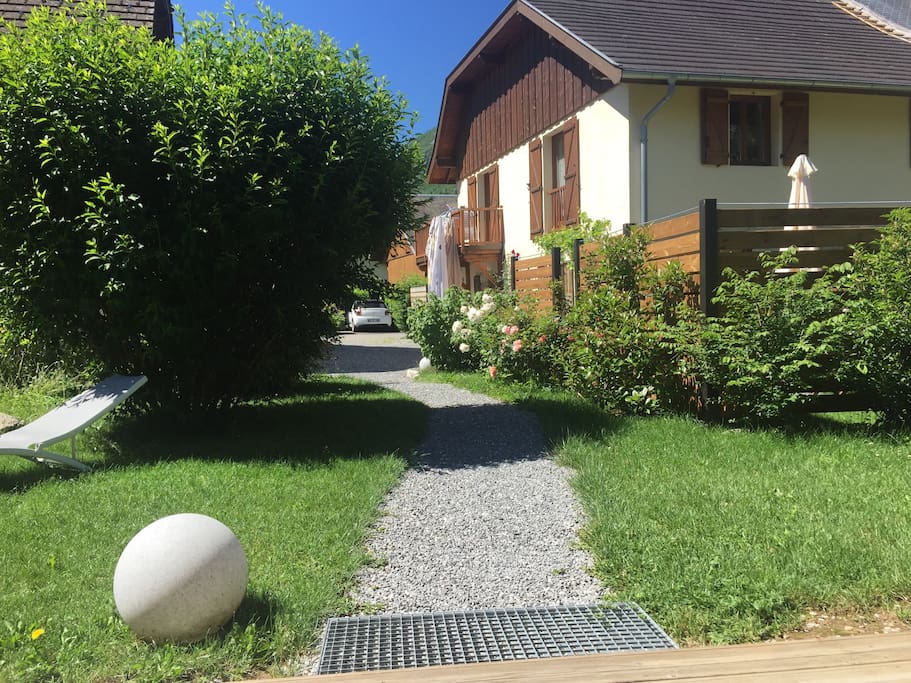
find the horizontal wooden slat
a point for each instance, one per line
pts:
(532, 286)
(837, 403)
(533, 262)
(765, 218)
(818, 237)
(689, 262)
(671, 248)
(748, 260)
(674, 226)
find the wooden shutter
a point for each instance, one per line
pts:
(473, 192)
(493, 187)
(571, 194)
(795, 126)
(493, 201)
(714, 127)
(536, 186)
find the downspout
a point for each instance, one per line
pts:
(643, 149)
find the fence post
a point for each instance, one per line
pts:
(627, 229)
(556, 277)
(709, 276)
(708, 254)
(577, 268)
(512, 272)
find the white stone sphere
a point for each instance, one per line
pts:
(424, 364)
(180, 578)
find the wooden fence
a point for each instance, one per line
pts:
(707, 241)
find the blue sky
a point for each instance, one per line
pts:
(415, 44)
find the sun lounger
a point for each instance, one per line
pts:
(67, 420)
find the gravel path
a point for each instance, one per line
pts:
(485, 520)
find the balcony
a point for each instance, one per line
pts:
(479, 234)
(558, 207)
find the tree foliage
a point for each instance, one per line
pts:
(186, 212)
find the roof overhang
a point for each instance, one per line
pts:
(512, 23)
(730, 80)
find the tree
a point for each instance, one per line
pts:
(187, 212)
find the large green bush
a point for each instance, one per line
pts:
(872, 332)
(187, 212)
(628, 340)
(767, 346)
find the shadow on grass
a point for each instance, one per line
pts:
(257, 609)
(561, 418)
(321, 421)
(309, 434)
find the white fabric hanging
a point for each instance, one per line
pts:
(437, 276)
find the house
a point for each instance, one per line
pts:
(408, 256)
(156, 15)
(632, 110)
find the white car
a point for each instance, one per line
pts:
(371, 313)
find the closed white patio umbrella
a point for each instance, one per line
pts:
(800, 173)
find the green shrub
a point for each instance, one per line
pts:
(628, 339)
(398, 300)
(188, 212)
(769, 342)
(430, 327)
(873, 331)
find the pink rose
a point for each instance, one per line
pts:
(493, 371)
(517, 346)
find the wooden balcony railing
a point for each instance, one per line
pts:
(476, 227)
(420, 242)
(558, 207)
(477, 231)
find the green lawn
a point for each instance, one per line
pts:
(297, 479)
(727, 535)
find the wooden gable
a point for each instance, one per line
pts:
(533, 86)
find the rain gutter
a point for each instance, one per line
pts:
(643, 149)
(630, 75)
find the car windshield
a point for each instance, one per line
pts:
(370, 304)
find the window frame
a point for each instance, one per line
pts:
(764, 103)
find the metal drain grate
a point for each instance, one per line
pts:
(402, 641)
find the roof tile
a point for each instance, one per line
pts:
(153, 14)
(769, 40)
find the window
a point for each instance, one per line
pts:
(737, 129)
(558, 161)
(554, 195)
(749, 131)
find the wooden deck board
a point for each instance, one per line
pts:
(859, 659)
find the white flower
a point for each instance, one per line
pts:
(464, 348)
(457, 326)
(487, 299)
(473, 314)
(488, 307)
(466, 333)
(464, 309)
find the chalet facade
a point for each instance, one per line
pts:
(632, 110)
(156, 15)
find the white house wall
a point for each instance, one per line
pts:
(604, 177)
(859, 143)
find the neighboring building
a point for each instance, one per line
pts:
(408, 256)
(632, 110)
(156, 15)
